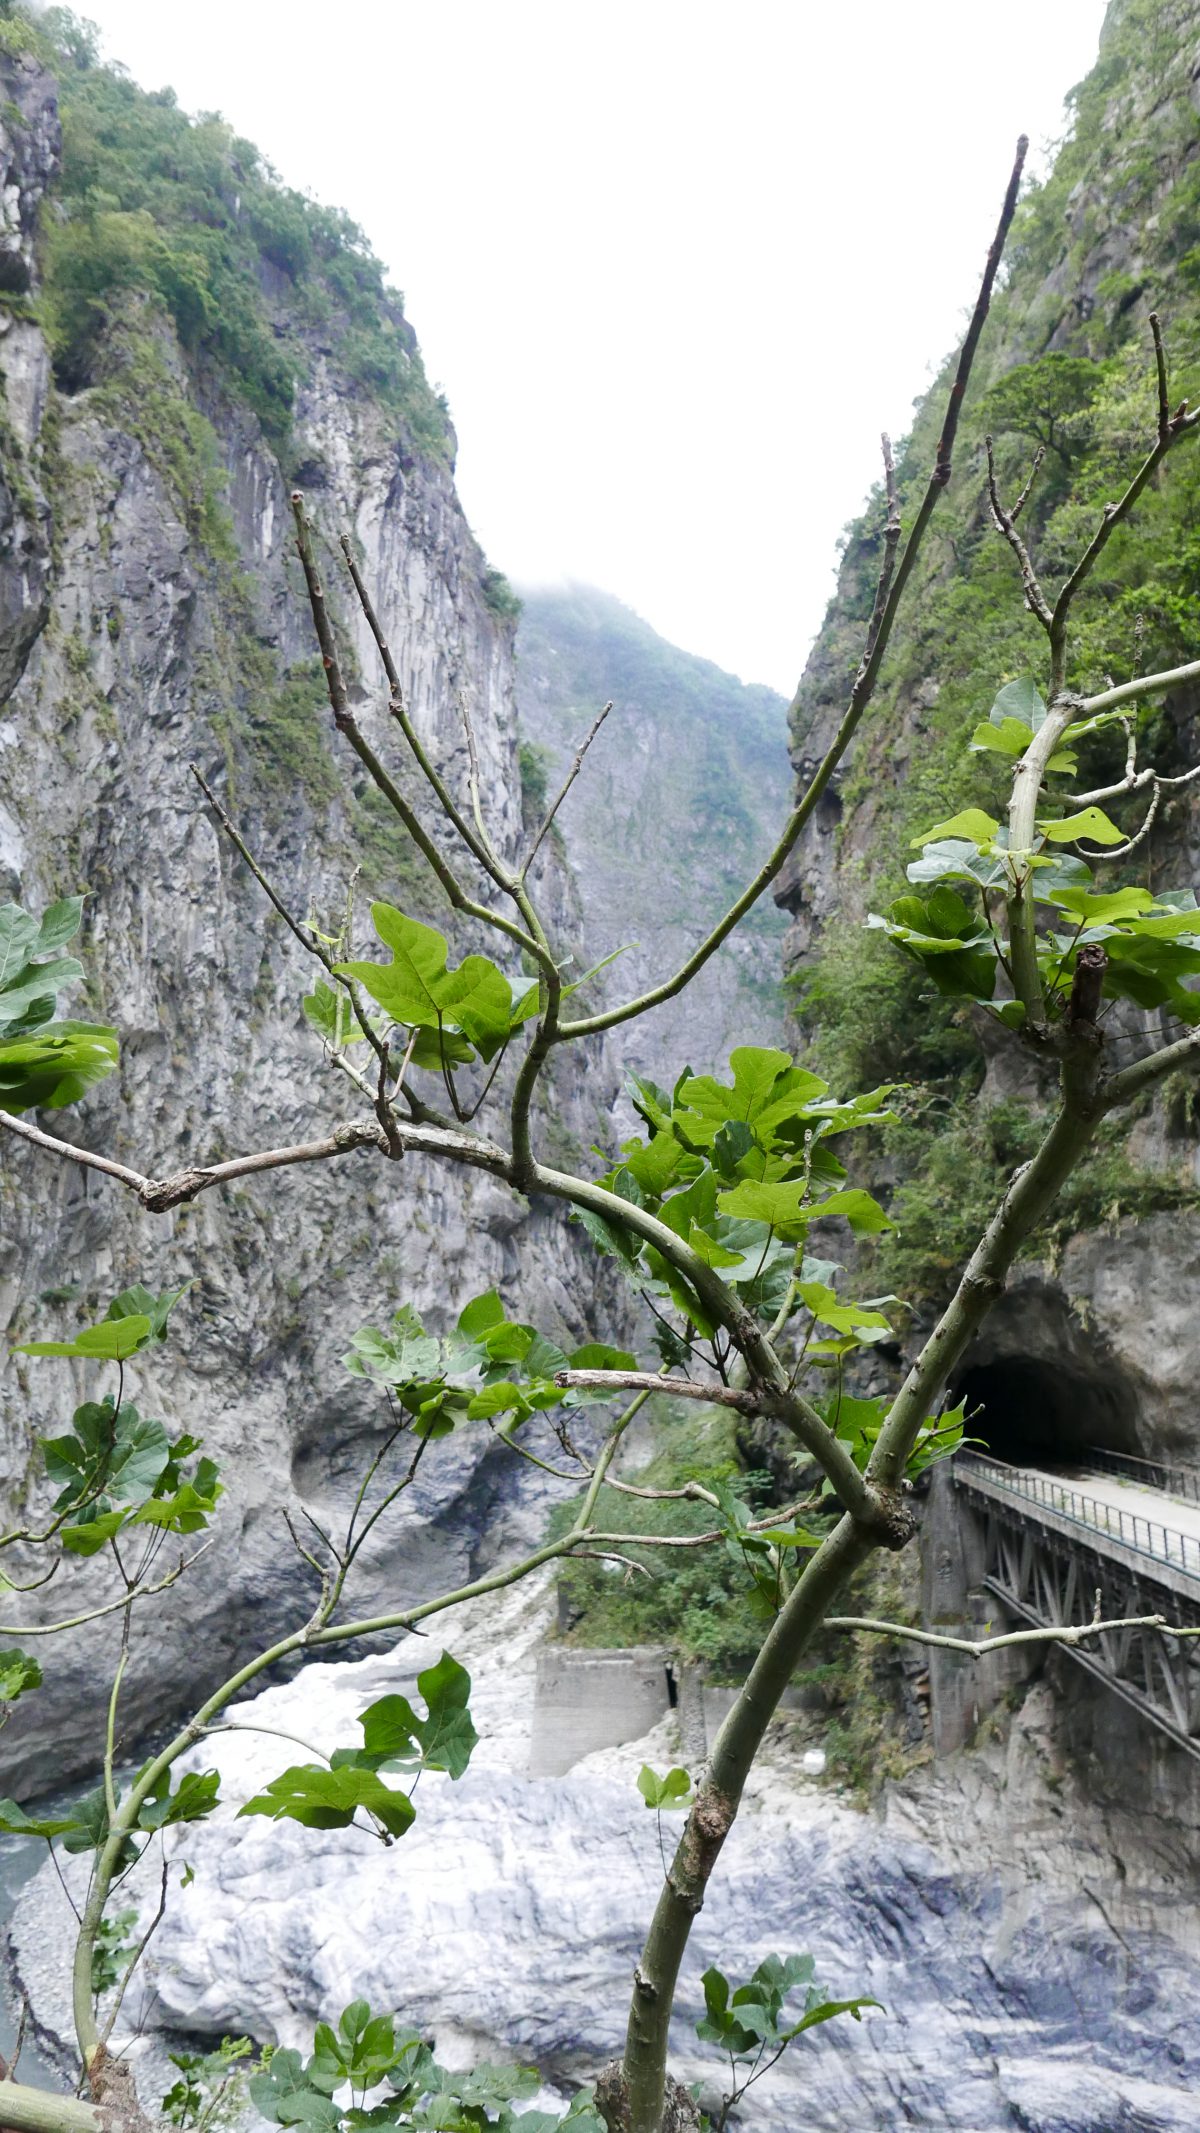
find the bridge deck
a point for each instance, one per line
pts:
(1144, 1528)
(1058, 1543)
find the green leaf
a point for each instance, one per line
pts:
(672, 1791)
(782, 1206)
(971, 824)
(114, 1340)
(15, 1822)
(827, 2011)
(443, 1740)
(766, 1092)
(955, 859)
(1005, 736)
(195, 1797)
(1090, 822)
(1019, 700)
(92, 1534)
(60, 924)
(329, 1799)
(596, 1355)
(141, 1452)
(481, 1315)
(54, 1067)
(18, 1672)
(417, 990)
(140, 1302)
(284, 2095)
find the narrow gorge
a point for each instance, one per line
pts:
(1006, 1864)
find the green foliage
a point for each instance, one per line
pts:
(111, 1950)
(490, 1365)
(739, 1171)
(418, 992)
(499, 595)
(749, 2020)
(670, 1792)
(394, 1738)
(366, 2050)
(116, 1469)
(211, 2090)
(44, 1063)
(702, 1601)
(1128, 165)
(320, 1798)
(183, 214)
(18, 1673)
(533, 764)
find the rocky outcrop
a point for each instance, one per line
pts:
(148, 553)
(1035, 1959)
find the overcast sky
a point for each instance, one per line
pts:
(675, 263)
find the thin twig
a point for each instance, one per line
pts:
(1069, 1634)
(568, 781)
(303, 933)
(1035, 598)
(396, 705)
(891, 541)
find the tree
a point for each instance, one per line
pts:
(707, 1209)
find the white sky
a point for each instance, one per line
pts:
(674, 262)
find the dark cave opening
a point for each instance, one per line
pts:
(1032, 1411)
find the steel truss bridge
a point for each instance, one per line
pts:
(1126, 1529)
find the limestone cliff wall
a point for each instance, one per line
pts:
(151, 617)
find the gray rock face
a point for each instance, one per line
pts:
(152, 645)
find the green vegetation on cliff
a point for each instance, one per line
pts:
(258, 280)
(1066, 368)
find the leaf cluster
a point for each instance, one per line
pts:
(395, 1738)
(45, 1062)
(491, 1366)
(1151, 940)
(748, 2021)
(368, 2053)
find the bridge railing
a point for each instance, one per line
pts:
(1165, 1544)
(1152, 1473)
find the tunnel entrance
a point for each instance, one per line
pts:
(1032, 1411)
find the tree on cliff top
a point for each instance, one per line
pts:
(708, 1210)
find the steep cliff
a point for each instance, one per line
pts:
(1066, 365)
(182, 342)
(681, 797)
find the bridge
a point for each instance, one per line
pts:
(1046, 1543)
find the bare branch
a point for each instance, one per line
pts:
(1070, 1635)
(83, 1156)
(568, 781)
(348, 725)
(1160, 366)
(1122, 1087)
(891, 541)
(160, 1194)
(1005, 522)
(304, 934)
(614, 1381)
(1125, 691)
(481, 851)
(1027, 491)
(112, 1607)
(1171, 427)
